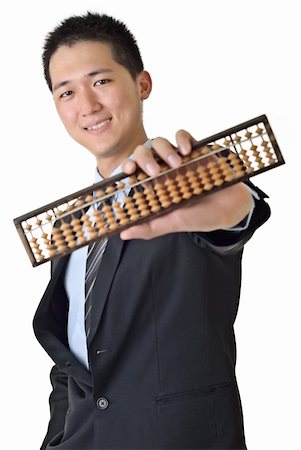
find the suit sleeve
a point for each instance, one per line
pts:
(225, 242)
(58, 401)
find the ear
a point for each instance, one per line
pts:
(145, 84)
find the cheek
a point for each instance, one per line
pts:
(67, 115)
(125, 101)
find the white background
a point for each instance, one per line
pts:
(214, 64)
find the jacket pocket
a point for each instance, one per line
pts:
(187, 419)
(192, 394)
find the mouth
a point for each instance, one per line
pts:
(99, 125)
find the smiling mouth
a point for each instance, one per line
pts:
(98, 125)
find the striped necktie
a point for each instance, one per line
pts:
(94, 257)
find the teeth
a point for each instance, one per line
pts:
(99, 125)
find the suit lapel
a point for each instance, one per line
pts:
(50, 324)
(104, 280)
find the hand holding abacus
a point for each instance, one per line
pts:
(223, 209)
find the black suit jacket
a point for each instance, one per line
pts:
(162, 352)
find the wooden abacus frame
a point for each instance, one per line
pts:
(219, 161)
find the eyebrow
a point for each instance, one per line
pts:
(87, 75)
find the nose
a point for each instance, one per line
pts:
(88, 103)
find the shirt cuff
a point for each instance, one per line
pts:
(243, 225)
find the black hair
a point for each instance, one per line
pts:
(98, 28)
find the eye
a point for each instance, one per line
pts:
(66, 94)
(101, 82)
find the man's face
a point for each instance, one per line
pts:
(97, 99)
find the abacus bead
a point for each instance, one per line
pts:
(184, 189)
(218, 182)
(132, 180)
(64, 226)
(180, 177)
(77, 228)
(128, 200)
(124, 221)
(72, 243)
(68, 233)
(140, 201)
(195, 185)
(155, 208)
(148, 191)
(70, 239)
(171, 187)
(190, 173)
(197, 190)
(134, 217)
(141, 176)
(195, 153)
(153, 202)
(145, 212)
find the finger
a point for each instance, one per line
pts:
(136, 232)
(145, 159)
(128, 166)
(149, 230)
(184, 141)
(166, 151)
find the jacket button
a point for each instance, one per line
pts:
(102, 403)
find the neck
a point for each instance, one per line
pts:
(107, 165)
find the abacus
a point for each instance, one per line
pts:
(110, 206)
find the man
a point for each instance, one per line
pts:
(158, 369)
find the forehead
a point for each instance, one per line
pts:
(70, 62)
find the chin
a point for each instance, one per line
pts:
(104, 152)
